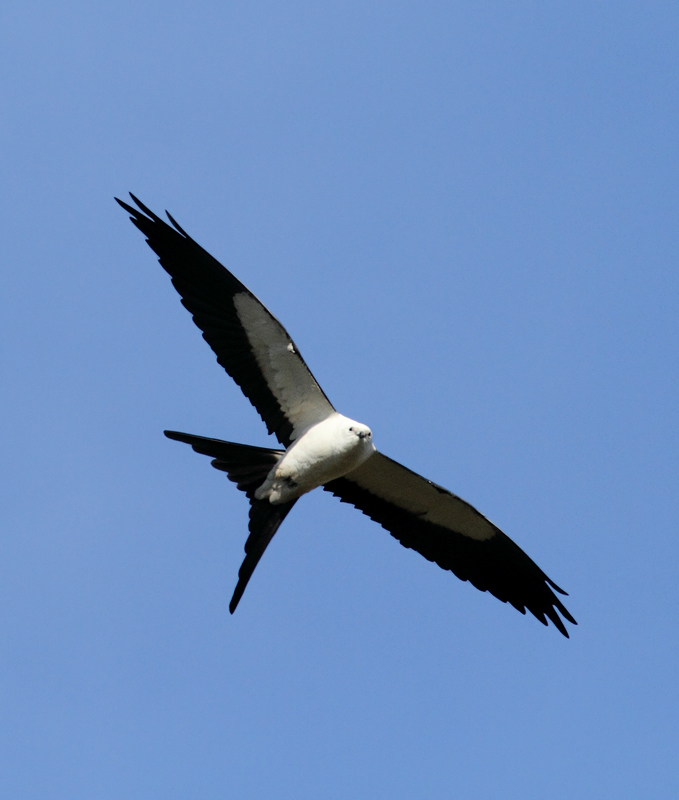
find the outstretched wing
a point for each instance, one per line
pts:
(249, 342)
(447, 530)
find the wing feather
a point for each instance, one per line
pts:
(249, 342)
(450, 532)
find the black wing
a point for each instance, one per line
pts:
(249, 342)
(447, 530)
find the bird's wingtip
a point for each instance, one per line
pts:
(176, 224)
(127, 207)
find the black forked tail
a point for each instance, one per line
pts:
(247, 467)
(265, 519)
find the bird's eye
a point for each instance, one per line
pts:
(351, 429)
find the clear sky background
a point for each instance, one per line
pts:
(466, 215)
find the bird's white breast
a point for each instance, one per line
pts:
(328, 450)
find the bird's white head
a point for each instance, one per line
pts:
(362, 431)
(352, 437)
(363, 436)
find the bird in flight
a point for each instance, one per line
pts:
(323, 448)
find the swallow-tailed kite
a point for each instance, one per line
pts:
(323, 447)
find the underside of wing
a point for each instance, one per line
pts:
(448, 531)
(249, 342)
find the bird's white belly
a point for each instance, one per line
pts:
(326, 451)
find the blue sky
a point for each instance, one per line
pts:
(466, 216)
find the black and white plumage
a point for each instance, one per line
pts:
(324, 448)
